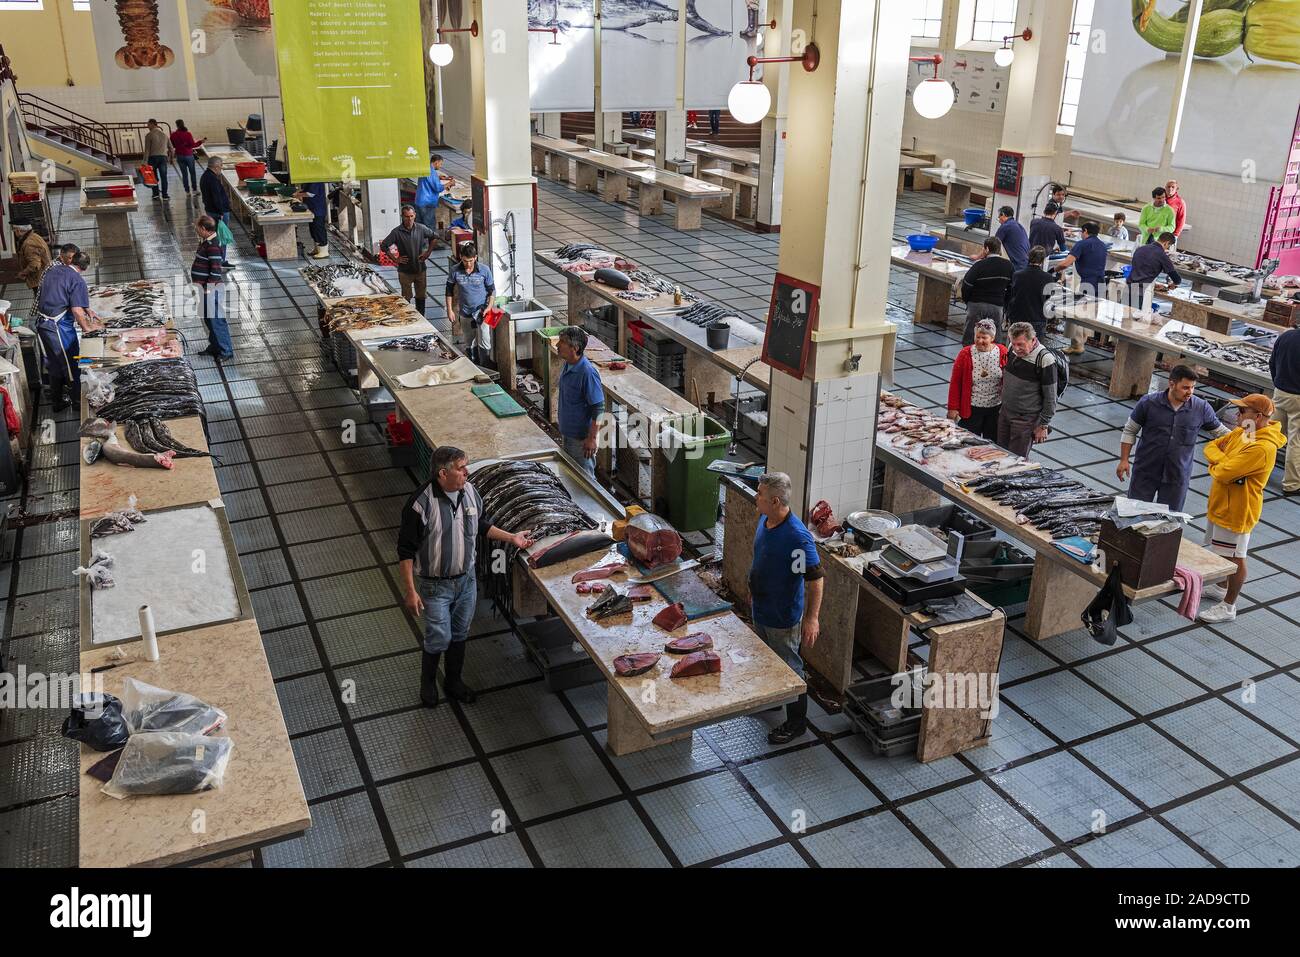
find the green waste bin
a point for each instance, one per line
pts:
(690, 442)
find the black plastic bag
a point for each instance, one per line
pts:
(168, 762)
(1108, 610)
(97, 720)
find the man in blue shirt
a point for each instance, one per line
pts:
(1047, 232)
(1088, 257)
(313, 196)
(429, 192)
(1014, 239)
(1149, 262)
(785, 590)
(471, 282)
(62, 304)
(1169, 423)
(582, 400)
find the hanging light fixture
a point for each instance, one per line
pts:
(441, 52)
(934, 97)
(749, 100)
(1006, 54)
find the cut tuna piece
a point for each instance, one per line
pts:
(697, 663)
(626, 666)
(672, 617)
(695, 641)
(652, 541)
(600, 571)
(640, 593)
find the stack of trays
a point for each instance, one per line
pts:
(890, 730)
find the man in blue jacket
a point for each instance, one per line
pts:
(429, 192)
(1014, 239)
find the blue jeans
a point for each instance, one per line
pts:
(448, 609)
(427, 215)
(159, 164)
(574, 448)
(785, 642)
(189, 174)
(60, 360)
(218, 331)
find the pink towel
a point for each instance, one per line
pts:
(1190, 582)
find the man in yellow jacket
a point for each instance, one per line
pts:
(1240, 465)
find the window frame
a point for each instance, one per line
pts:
(966, 20)
(1063, 128)
(928, 41)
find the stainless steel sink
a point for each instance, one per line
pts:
(526, 315)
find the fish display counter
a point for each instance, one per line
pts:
(141, 304)
(110, 199)
(273, 214)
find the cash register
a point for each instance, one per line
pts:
(916, 565)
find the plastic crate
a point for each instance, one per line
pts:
(659, 367)
(423, 458)
(345, 353)
(549, 644)
(868, 692)
(950, 518)
(884, 745)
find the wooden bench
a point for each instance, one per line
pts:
(553, 152)
(685, 167)
(744, 202)
(590, 163)
(618, 148)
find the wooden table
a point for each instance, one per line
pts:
(589, 163)
(738, 160)
(961, 186)
(110, 214)
(936, 282)
(856, 615)
(617, 147)
(915, 164)
(652, 708)
(1061, 587)
(261, 800)
(688, 194)
(279, 228)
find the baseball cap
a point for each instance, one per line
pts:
(1255, 402)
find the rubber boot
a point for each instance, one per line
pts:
(796, 722)
(751, 30)
(455, 688)
(429, 678)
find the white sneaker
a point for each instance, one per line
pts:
(1214, 592)
(1220, 612)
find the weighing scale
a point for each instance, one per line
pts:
(916, 565)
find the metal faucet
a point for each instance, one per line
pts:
(735, 418)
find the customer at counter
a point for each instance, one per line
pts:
(785, 589)
(411, 244)
(984, 289)
(212, 187)
(1157, 218)
(1149, 262)
(158, 152)
(207, 272)
(975, 390)
(581, 398)
(1028, 392)
(1284, 367)
(1031, 289)
(1012, 236)
(1047, 232)
(1240, 465)
(1169, 423)
(183, 145)
(437, 543)
(62, 304)
(1120, 228)
(1176, 203)
(33, 255)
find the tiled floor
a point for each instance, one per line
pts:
(1175, 747)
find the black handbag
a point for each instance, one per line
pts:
(1108, 610)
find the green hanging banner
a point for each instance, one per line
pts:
(352, 88)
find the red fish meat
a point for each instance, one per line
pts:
(600, 571)
(697, 663)
(627, 666)
(695, 641)
(640, 593)
(672, 617)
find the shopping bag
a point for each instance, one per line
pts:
(224, 235)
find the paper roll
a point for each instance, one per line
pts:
(148, 633)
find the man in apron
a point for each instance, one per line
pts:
(63, 304)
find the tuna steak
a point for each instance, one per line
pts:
(640, 593)
(697, 663)
(695, 641)
(627, 666)
(672, 617)
(600, 571)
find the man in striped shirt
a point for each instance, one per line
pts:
(207, 273)
(436, 545)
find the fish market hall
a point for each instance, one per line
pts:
(513, 470)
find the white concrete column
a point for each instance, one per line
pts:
(845, 122)
(776, 77)
(608, 127)
(502, 141)
(1034, 94)
(670, 125)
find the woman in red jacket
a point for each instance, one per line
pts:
(975, 392)
(184, 143)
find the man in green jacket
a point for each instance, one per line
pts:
(1157, 217)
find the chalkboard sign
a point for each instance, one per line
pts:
(1006, 177)
(791, 318)
(478, 194)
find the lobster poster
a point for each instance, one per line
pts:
(141, 50)
(233, 50)
(352, 87)
(1243, 89)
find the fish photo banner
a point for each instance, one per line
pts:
(1133, 70)
(1243, 91)
(720, 34)
(638, 55)
(141, 50)
(233, 49)
(352, 80)
(562, 68)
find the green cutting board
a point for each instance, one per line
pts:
(482, 390)
(502, 405)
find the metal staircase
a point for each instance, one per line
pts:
(102, 144)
